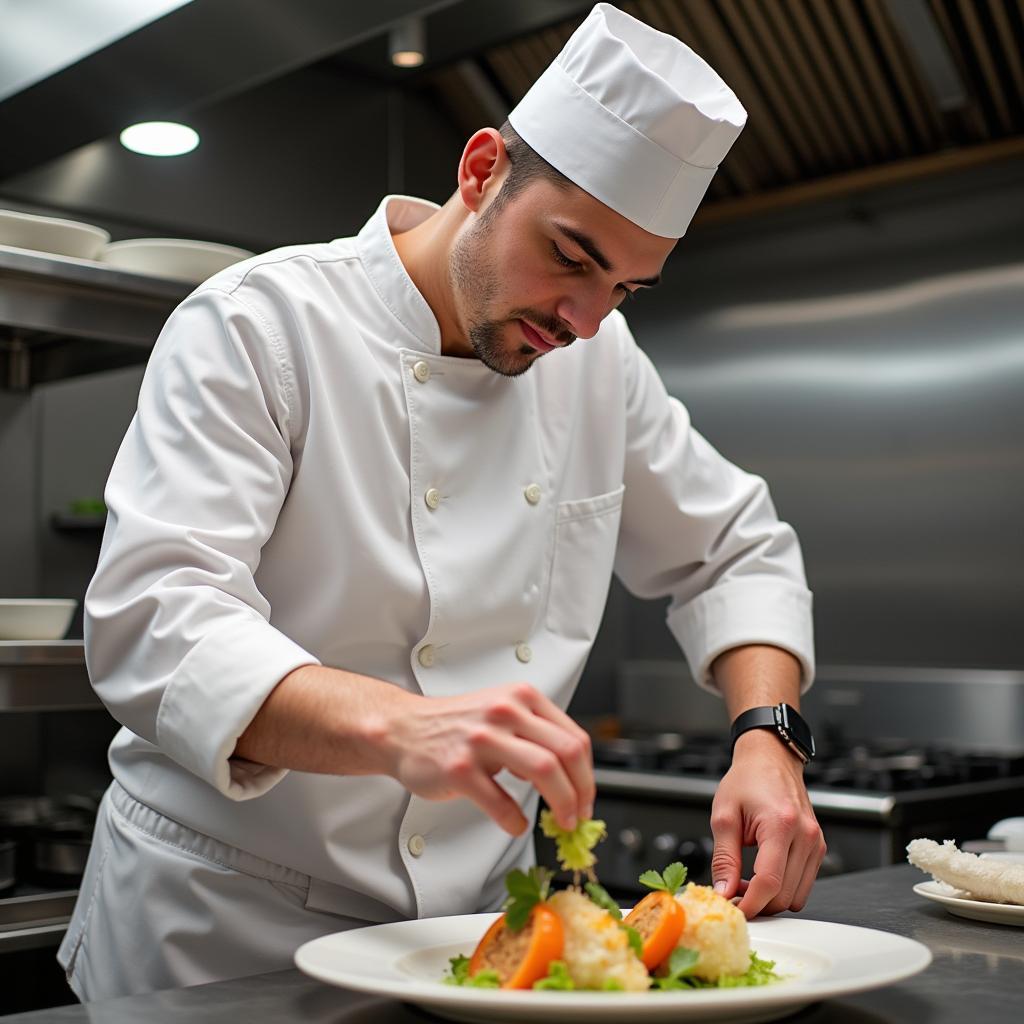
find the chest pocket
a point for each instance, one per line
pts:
(586, 532)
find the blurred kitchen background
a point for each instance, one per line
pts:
(845, 317)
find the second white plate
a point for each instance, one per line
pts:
(977, 910)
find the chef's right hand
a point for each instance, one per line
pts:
(443, 748)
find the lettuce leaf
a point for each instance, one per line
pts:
(574, 848)
(460, 975)
(557, 978)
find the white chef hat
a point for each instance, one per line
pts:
(634, 117)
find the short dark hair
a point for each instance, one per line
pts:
(526, 166)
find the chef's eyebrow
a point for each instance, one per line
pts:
(587, 244)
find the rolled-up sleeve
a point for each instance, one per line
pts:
(178, 638)
(701, 531)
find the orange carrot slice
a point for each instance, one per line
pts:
(520, 957)
(660, 920)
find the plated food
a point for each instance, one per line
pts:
(571, 956)
(677, 937)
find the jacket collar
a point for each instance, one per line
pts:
(389, 277)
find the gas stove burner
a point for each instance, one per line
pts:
(641, 753)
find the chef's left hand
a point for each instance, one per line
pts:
(762, 801)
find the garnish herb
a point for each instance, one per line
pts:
(635, 941)
(670, 881)
(760, 972)
(460, 975)
(557, 978)
(525, 891)
(599, 895)
(574, 849)
(680, 963)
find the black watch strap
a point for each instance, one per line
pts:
(784, 721)
(753, 718)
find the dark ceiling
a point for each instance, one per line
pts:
(834, 88)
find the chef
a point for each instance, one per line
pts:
(360, 536)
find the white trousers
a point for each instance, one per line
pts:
(162, 906)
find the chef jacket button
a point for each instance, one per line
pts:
(421, 371)
(426, 656)
(523, 652)
(432, 497)
(532, 493)
(416, 845)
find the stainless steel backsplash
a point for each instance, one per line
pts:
(973, 709)
(867, 358)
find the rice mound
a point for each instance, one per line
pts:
(596, 948)
(717, 930)
(983, 879)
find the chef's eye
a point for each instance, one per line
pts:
(562, 258)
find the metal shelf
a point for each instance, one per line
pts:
(45, 675)
(61, 317)
(36, 921)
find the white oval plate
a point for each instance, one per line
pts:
(977, 910)
(407, 960)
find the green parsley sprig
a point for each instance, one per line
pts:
(525, 890)
(669, 881)
(681, 963)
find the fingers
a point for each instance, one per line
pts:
(455, 746)
(726, 861)
(803, 890)
(493, 801)
(541, 767)
(575, 757)
(769, 873)
(786, 865)
(529, 715)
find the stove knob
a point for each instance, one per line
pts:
(631, 841)
(696, 855)
(665, 845)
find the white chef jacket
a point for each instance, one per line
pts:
(307, 480)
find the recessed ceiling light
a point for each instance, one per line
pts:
(407, 43)
(159, 138)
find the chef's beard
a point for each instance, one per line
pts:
(475, 282)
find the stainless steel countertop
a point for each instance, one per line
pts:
(975, 975)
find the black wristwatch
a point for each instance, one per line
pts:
(786, 721)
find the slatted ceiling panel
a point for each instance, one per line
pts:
(810, 83)
(971, 119)
(831, 86)
(763, 145)
(841, 111)
(785, 108)
(983, 56)
(1010, 52)
(794, 94)
(929, 131)
(877, 87)
(509, 73)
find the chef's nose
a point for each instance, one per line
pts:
(582, 318)
(582, 314)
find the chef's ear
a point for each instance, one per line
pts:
(482, 169)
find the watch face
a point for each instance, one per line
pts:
(795, 729)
